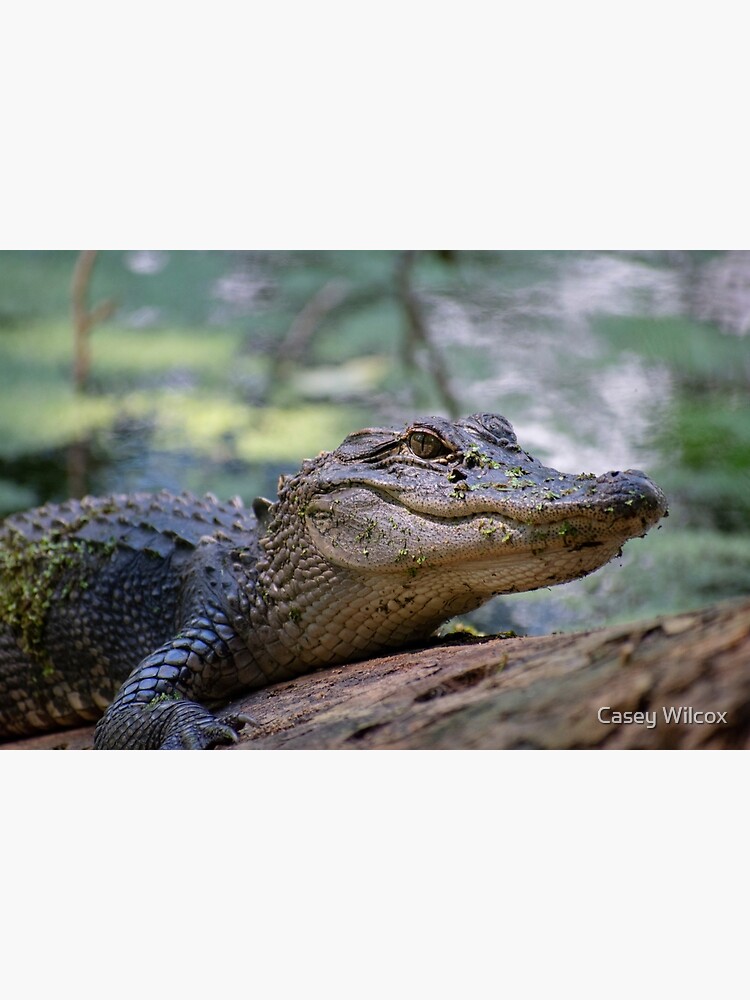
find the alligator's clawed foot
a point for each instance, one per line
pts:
(203, 733)
(165, 724)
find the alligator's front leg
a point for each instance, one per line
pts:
(154, 709)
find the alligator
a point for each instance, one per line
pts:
(152, 611)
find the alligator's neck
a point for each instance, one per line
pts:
(318, 613)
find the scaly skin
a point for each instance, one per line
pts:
(158, 609)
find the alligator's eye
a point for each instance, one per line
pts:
(426, 445)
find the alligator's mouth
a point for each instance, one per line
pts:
(374, 528)
(615, 498)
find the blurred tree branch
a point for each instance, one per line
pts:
(305, 324)
(417, 333)
(84, 319)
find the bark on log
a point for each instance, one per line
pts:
(540, 692)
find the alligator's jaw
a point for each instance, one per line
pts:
(367, 531)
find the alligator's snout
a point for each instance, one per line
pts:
(632, 491)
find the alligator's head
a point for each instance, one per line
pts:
(463, 495)
(457, 510)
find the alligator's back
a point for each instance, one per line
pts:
(89, 587)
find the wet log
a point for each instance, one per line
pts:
(674, 682)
